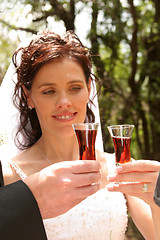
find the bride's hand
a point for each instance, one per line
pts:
(137, 178)
(61, 186)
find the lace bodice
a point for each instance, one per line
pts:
(102, 216)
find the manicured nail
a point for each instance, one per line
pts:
(110, 187)
(111, 177)
(119, 168)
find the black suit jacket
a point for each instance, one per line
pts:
(157, 192)
(20, 218)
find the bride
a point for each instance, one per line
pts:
(53, 88)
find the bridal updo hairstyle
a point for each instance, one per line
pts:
(44, 48)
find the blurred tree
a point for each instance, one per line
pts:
(128, 62)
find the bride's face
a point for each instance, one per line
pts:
(59, 94)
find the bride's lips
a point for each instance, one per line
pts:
(65, 116)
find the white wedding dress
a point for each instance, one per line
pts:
(102, 216)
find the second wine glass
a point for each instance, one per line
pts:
(121, 136)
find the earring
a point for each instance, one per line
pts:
(30, 108)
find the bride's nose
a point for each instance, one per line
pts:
(63, 101)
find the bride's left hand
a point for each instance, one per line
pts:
(137, 178)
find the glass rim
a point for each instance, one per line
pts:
(120, 125)
(85, 124)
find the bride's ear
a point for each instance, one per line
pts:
(29, 100)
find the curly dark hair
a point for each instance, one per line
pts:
(44, 48)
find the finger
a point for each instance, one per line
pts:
(139, 165)
(85, 166)
(86, 179)
(134, 177)
(77, 166)
(130, 188)
(83, 192)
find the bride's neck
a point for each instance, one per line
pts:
(57, 150)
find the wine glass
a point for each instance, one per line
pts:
(121, 136)
(86, 136)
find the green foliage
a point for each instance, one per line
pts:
(3, 138)
(6, 49)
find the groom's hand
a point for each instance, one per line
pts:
(61, 186)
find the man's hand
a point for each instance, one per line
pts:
(61, 186)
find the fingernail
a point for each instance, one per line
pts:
(111, 177)
(119, 169)
(110, 187)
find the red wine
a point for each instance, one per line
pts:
(86, 140)
(122, 149)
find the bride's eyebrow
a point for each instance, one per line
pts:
(76, 81)
(54, 84)
(47, 85)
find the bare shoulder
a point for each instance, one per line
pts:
(9, 174)
(27, 161)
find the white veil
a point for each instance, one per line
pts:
(95, 109)
(9, 114)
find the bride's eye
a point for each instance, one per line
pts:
(75, 89)
(49, 92)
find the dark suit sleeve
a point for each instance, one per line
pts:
(1, 176)
(157, 192)
(20, 217)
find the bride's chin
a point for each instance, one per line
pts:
(68, 132)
